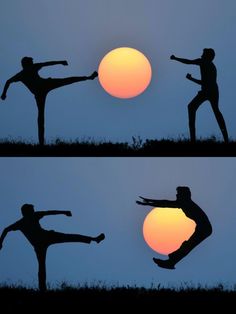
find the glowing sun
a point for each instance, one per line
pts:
(124, 72)
(165, 229)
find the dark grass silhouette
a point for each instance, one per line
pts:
(20, 299)
(211, 147)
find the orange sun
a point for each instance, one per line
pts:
(124, 72)
(165, 229)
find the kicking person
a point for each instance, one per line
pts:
(40, 87)
(41, 239)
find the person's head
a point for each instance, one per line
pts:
(208, 54)
(26, 62)
(183, 192)
(27, 210)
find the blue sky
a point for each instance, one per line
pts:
(82, 32)
(101, 193)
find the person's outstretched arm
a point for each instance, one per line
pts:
(49, 63)
(157, 203)
(185, 61)
(12, 227)
(41, 214)
(13, 79)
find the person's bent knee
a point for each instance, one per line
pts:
(208, 232)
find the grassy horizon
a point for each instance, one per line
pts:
(137, 147)
(17, 298)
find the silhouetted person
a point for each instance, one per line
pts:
(40, 87)
(41, 239)
(193, 211)
(209, 91)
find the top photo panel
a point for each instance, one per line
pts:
(117, 78)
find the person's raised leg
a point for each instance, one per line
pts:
(190, 244)
(57, 83)
(58, 237)
(184, 249)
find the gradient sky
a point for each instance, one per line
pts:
(101, 193)
(82, 32)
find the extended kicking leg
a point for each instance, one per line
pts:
(58, 237)
(57, 83)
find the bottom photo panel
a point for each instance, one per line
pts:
(113, 230)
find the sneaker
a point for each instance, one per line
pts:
(164, 263)
(95, 74)
(100, 238)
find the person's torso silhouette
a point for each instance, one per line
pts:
(29, 225)
(194, 212)
(208, 76)
(31, 79)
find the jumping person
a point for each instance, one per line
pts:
(193, 211)
(40, 87)
(209, 91)
(41, 239)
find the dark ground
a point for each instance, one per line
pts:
(82, 300)
(139, 148)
